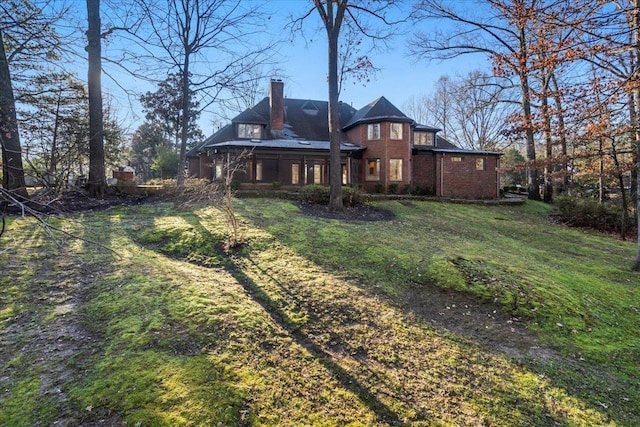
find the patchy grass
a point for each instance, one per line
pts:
(316, 322)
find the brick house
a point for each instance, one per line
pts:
(286, 142)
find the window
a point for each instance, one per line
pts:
(395, 169)
(317, 174)
(423, 138)
(218, 170)
(295, 173)
(480, 164)
(373, 170)
(456, 159)
(248, 131)
(395, 131)
(258, 170)
(373, 131)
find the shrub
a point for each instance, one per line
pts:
(379, 188)
(407, 189)
(352, 196)
(422, 190)
(393, 188)
(319, 194)
(315, 194)
(588, 212)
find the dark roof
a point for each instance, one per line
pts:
(443, 143)
(378, 110)
(223, 134)
(309, 119)
(444, 146)
(288, 144)
(258, 115)
(426, 128)
(303, 118)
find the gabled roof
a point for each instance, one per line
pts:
(378, 110)
(303, 118)
(309, 119)
(258, 115)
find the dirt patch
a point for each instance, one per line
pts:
(68, 201)
(482, 322)
(59, 349)
(357, 213)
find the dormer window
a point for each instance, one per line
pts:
(373, 131)
(423, 138)
(395, 131)
(249, 131)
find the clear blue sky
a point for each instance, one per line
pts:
(305, 64)
(303, 61)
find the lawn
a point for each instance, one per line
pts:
(446, 315)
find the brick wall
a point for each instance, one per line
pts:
(462, 179)
(384, 149)
(424, 171)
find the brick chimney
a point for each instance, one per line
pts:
(276, 102)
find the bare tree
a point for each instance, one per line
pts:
(503, 34)
(357, 17)
(480, 110)
(184, 30)
(12, 170)
(27, 31)
(610, 36)
(441, 105)
(97, 183)
(473, 108)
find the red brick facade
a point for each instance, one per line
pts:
(382, 151)
(467, 175)
(385, 149)
(445, 173)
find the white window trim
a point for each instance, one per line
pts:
(370, 134)
(391, 170)
(249, 131)
(391, 126)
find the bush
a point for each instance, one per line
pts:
(422, 190)
(589, 213)
(319, 194)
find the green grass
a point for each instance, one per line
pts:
(308, 324)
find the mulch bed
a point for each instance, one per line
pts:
(357, 213)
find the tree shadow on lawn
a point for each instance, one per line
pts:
(349, 382)
(462, 318)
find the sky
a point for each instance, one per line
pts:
(302, 60)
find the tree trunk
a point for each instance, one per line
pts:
(335, 168)
(532, 171)
(12, 169)
(185, 121)
(600, 172)
(623, 192)
(563, 135)
(636, 95)
(546, 117)
(97, 183)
